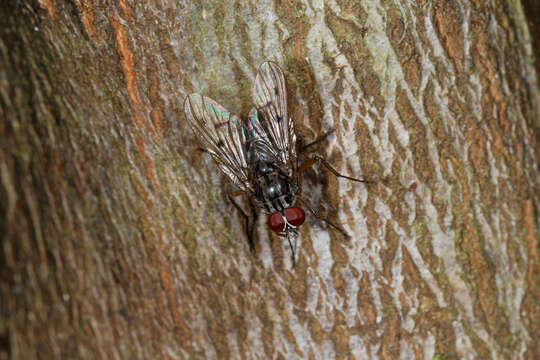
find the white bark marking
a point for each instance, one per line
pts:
(364, 250)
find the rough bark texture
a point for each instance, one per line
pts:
(118, 241)
(532, 13)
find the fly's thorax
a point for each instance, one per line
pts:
(274, 190)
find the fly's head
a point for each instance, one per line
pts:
(286, 223)
(287, 220)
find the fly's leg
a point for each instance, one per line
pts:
(311, 210)
(249, 225)
(337, 174)
(203, 150)
(303, 148)
(308, 163)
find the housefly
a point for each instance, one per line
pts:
(260, 154)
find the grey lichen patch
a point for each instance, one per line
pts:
(349, 34)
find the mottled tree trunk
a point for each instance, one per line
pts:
(118, 240)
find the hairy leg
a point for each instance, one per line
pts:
(330, 223)
(308, 163)
(249, 220)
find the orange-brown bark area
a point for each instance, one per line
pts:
(117, 237)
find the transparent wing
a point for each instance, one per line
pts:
(260, 147)
(271, 121)
(221, 134)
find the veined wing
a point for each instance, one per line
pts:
(271, 122)
(221, 134)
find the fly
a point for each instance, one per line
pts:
(260, 154)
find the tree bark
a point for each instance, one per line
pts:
(117, 237)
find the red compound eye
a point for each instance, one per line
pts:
(295, 216)
(276, 222)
